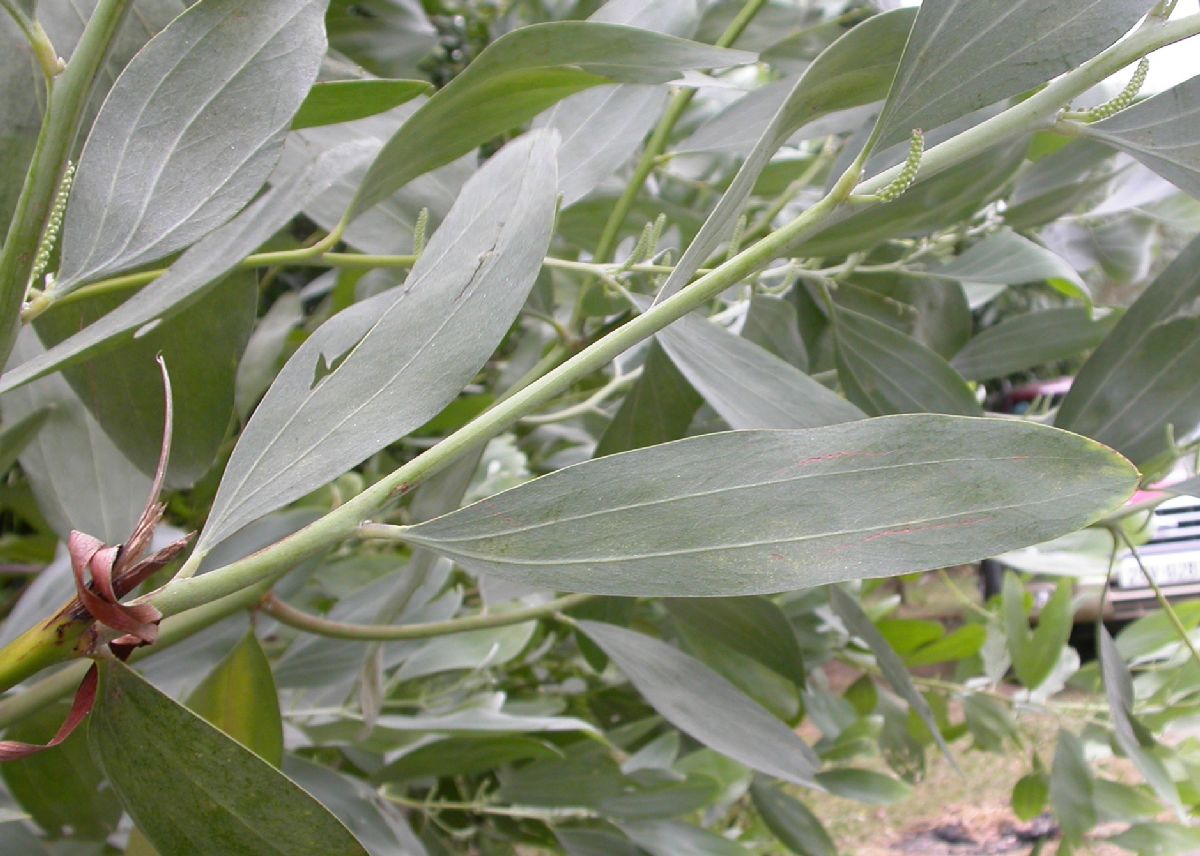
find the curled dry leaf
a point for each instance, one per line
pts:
(115, 571)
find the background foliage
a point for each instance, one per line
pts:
(740, 282)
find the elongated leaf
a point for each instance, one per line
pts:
(1035, 652)
(518, 76)
(584, 841)
(19, 114)
(777, 694)
(1161, 839)
(388, 364)
(104, 498)
(346, 100)
(263, 352)
(1071, 788)
(865, 786)
(748, 386)
(387, 37)
(1006, 258)
(1023, 341)
(1161, 133)
(378, 825)
(178, 148)
(238, 697)
(192, 790)
(460, 756)
(201, 349)
(674, 838)
(1132, 737)
(963, 55)
(602, 127)
(885, 371)
(199, 268)
(772, 323)
(753, 626)
(701, 703)
(1143, 377)
(753, 512)
(791, 822)
(854, 70)
(658, 408)
(859, 624)
(17, 434)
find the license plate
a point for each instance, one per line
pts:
(1166, 570)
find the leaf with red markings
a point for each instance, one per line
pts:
(754, 512)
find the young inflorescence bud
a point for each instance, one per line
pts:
(419, 229)
(53, 224)
(902, 182)
(1126, 95)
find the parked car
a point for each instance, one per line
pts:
(1167, 535)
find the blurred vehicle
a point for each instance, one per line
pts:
(1166, 535)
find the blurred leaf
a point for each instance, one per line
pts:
(1135, 383)
(388, 37)
(658, 407)
(1117, 801)
(463, 756)
(747, 385)
(238, 697)
(1161, 133)
(329, 408)
(752, 625)
(885, 371)
(346, 100)
(515, 78)
(1035, 652)
(1006, 258)
(800, 508)
(380, 826)
(1058, 184)
(791, 821)
(191, 789)
(1159, 839)
(864, 786)
(476, 649)
(1071, 788)
(989, 723)
(672, 838)
(774, 692)
(704, 705)
(1029, 796)
(962, 56)
(1033, 339)
(1131, 735)
(965, 642)
(188, 133)
(585, 841)
(18, 433)
(264, 350)
(122, 388)
(771, 323)
(859, 624)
